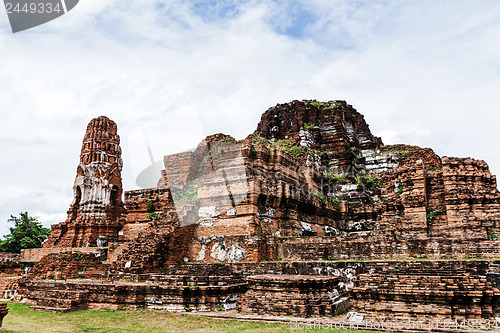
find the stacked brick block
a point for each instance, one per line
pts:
(428, 290)
(68, 265)
(300, 296)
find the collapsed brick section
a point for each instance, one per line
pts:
(97, 209)
(154, 244)
(10, 268)
(145, 205)
(146, 242)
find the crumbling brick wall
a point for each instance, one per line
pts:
(68, 265)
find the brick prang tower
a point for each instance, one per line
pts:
(97, 209)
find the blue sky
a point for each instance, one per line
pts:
(171, 72)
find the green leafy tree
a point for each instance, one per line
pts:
(27, 233)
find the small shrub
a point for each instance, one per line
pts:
(492, 236)
(150, 206)
(431, 214)
(335, 178)
(187, 195)
(308, 126)
(400, 189)
(295, 150)
(316, 104)
(336, 200)
(373, 182)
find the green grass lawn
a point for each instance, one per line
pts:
(21, 319)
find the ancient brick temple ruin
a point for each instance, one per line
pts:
(97, 209)
(280, 215)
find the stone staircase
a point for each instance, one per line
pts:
(54, 300)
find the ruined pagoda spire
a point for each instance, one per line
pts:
(98, 184)
(97, 208)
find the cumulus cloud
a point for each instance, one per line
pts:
(171, 72)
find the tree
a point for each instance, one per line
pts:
(27, 233)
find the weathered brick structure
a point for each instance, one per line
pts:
(68, 265)
(294, 295)
(97, 209)
(429, 290)
(312, 183)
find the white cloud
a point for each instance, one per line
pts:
(422, 73)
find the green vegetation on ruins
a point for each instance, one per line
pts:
(186, 195)
(286, 145)
(372, 181)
